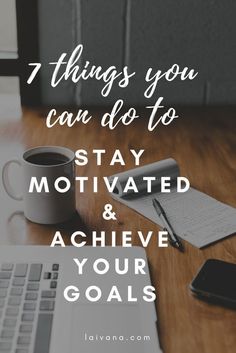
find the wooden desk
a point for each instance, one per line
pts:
(204, 144)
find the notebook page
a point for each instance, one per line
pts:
(195, 216)
(165, 168)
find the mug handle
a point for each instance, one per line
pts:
(6, 183)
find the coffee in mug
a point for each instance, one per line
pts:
(47, 158)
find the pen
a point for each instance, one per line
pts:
(173, 239)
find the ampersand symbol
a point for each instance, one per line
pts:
(107, 213)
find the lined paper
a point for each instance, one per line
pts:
(195, 216)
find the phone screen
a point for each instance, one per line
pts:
(218, 278)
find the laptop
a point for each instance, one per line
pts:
(35, 317)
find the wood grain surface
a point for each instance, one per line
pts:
(204, 145)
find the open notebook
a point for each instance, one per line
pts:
(195, 216)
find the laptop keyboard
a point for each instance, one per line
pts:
(27, 303)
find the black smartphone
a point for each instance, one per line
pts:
(216, 282)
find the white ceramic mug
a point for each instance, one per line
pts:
(45, 207)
